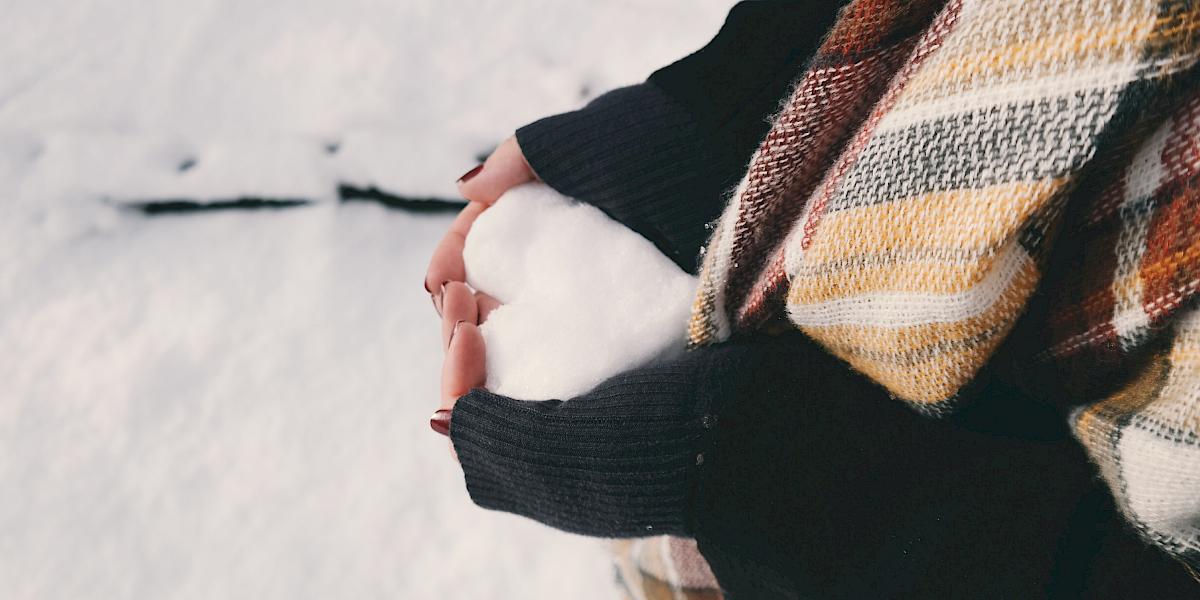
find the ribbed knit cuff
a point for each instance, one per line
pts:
(638, 155)
(622, 461)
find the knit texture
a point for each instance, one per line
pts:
(591, 154)
(910, 248)
(647, 472)
(846, 77)
(1144, 438)
(621, 462)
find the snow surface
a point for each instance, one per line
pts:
(584, 297)
(234, 404)
(245, 419)
(286, 99)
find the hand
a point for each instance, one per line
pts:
(461, 309)
(482, 186)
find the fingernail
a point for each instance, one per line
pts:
(434, 299)
(457, 324)
(440, 422)
(470, 174)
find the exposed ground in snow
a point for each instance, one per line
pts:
(233, 404)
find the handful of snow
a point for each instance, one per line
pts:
(584, 298)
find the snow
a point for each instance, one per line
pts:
(234, 404)
(584, 298)
(109, 98)
(245, 419)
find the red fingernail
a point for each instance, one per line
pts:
(469, 174)
(440, 422)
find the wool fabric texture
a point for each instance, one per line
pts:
(938, 164)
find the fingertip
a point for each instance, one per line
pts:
(469, 175)
(446, 264)
(503, 170)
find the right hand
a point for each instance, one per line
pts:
(482, 186)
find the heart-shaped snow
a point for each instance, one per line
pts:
(584, 297)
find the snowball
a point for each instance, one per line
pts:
(584, 298)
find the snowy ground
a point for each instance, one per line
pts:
(233, 404)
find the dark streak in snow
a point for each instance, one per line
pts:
(177, 206)
(346, 193)
(349, 193)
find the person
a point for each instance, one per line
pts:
(793, 456)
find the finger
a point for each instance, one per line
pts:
(504, 169)
(447, 262)
(486, 304)
(458, 304)
(462, 223)
(464, 367)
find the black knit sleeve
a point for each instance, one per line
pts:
(672, 448)
(620, 461)
(638, 155)
(661, 156)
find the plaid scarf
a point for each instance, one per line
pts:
(903, 208)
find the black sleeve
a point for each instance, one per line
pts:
(631, 457)
(661, 156)
(619, 461)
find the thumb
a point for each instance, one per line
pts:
(464, 366)
(504, 169)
